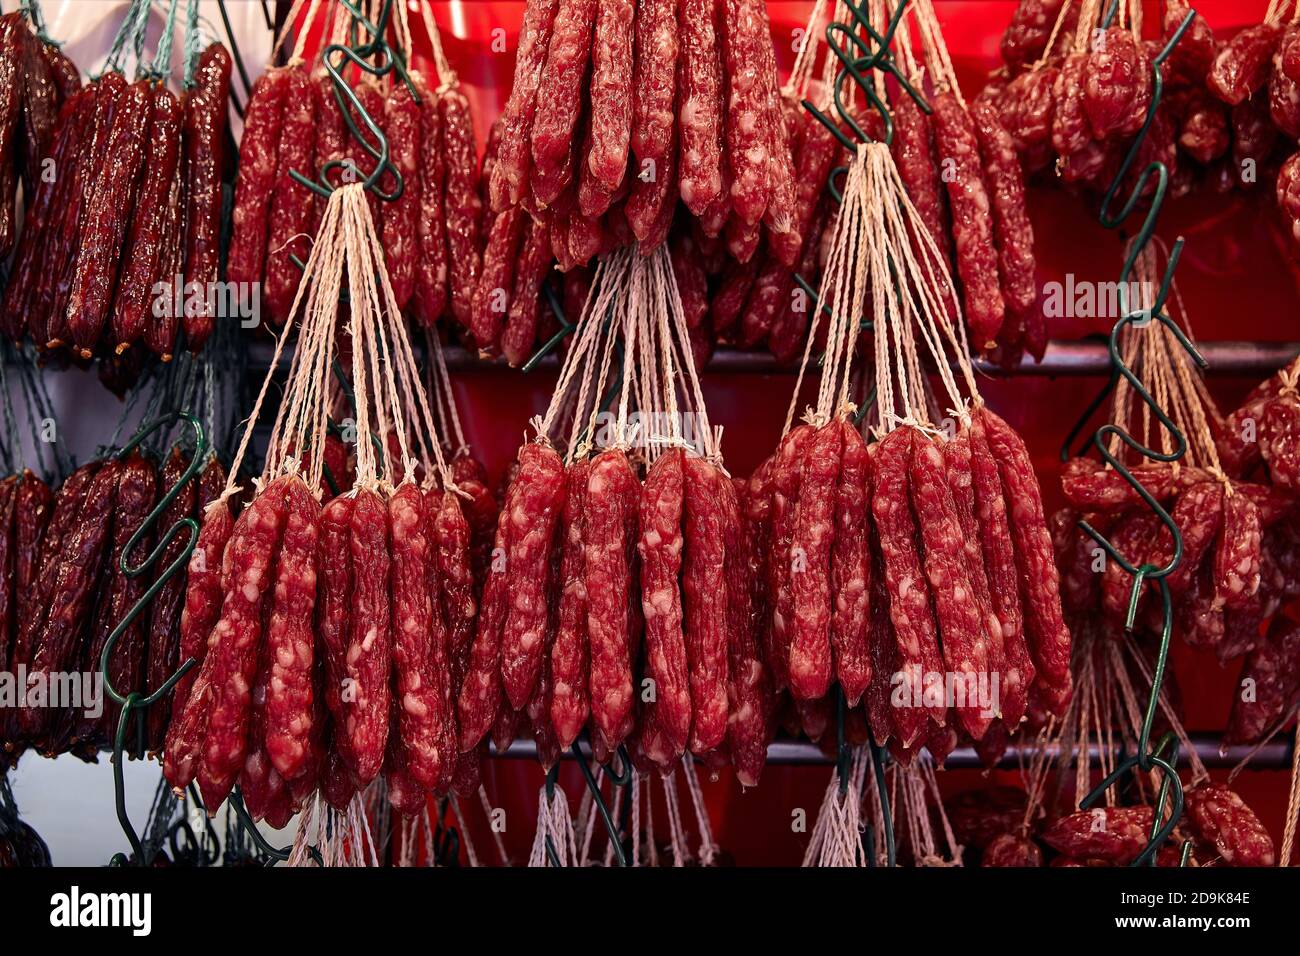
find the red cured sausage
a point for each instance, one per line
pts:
(567, 57)
(810, 564)
(33, 506)
(246, 578)
(1237, 555)
(1004, 582)
(1222, 823)
(74, 571)
(1117, 84)
(965, 647)
(655, 80)
(203, 588)
(744, 33)
(1049, 638)
(206, 117)
(538, 500)
(42, 219)
(1241, 66)
(783, 490)
(480, 693)
(8, 549)
(258, 164)
(699, 106)
(431, 228)
(914, 156)
(144, 242)
(510, 171)
(958, 460)
(401, 253)
(1279, 442)
(909, 594)
(292, 205)
(521, 321)
(496, 281)
(851, 569)
(63, 246)
(660, 548)
(165, 613)
(748, 692)
(420, 678)
(103, 230)
(1011, 225)
(369, 655)
(612, 496)
(955, 137)
(570, 703)
(704, 588)
(11, 102)
(290, 639)
(611, 92)
(1114, 834)
(1197, 515)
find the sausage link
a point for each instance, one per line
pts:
(258, 165)
(292, 205)
(104, 226)
(206, 119)
(246, 576)
(136, 291)
(570, 700)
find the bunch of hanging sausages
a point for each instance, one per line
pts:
(1228, 120)
(618, 111)
(990, 824)
(133, 200)
(430, 232)
(63, 591)
(914, 559)
(625, 606)
(331, 643)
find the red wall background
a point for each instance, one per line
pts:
(1235, 276)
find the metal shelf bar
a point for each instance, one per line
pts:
(1063, 358)
(1275, 755)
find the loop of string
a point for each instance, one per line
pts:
(446, 75)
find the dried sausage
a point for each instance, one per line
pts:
(258, 163)
(910, 611)
(290, 641)
(704, 589)
(1004, 581)
(246, 578)
(660, 549)
(972, 233)
(206, 118)
(851, 569)
(104, 225)
(538, 499)
(1241, 66)
(570, 703)
(510, 171)
(292, 205)
(560, 94)
(809, 659)
(744, 34)
(612, 501)
(463, 207)
(143, 253)
(699, 106)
